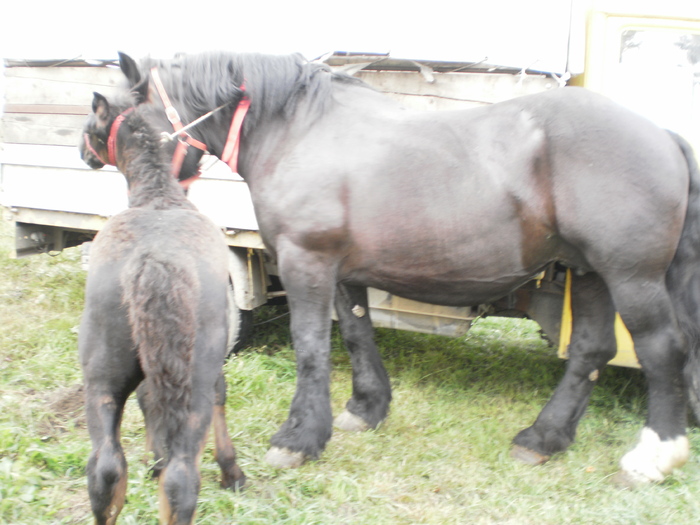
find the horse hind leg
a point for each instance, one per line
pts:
(179, 481)
(371, 389)
(110, 373)
(232, 477)
(592, 346)
(647, 310)
(154, 442)
(106, 468)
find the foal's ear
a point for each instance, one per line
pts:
(100, 107)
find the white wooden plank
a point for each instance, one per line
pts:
(95, 192)
(56, 130)
(454, 90)
(104, 192)
(45, 156)
(59, 85)
(226, 202)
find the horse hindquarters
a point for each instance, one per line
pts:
(684, 279)
(664, 350)
(178, 318)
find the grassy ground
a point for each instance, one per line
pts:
(441, 457)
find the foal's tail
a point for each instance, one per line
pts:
(683, 279)
(161, 298)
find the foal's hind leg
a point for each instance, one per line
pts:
(180, 480)
(154, 443)
(592, 346)
(371, 390)
(646, 308)
(108, 384)
(232, 476)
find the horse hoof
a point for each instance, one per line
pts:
(349, 422)
(530, 457)
(284, 458)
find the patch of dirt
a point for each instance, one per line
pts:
(66, 410)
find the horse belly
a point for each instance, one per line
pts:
(447, 270)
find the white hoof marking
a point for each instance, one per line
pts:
(284, 458)
(653, 459)
(349, 422)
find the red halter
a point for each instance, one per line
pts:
(184, 139)
(111, 140)
(232, 146)
(233, 141)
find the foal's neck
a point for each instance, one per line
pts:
(151, 183)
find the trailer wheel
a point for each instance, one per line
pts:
(240, 324)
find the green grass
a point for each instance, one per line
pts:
(442, 456)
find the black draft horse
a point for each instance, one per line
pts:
(155, 315)
(456, 208)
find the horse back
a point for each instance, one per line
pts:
(477, 201)
(189, 251)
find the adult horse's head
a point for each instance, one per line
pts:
(98, 141)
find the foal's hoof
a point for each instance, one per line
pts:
(235, 482)
(284, 458)
(349, 422)
(528, 456)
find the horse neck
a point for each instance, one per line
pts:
(285, 91)
(151, 184)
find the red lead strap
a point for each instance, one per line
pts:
(233, 141)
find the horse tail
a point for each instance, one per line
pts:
(683, 279)
(161, 299)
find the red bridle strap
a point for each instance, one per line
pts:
(233, 141)
(86, 138)
(112, 140)
(184, 139)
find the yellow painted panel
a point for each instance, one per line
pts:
(625, 347)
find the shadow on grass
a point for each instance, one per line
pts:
(504, 356)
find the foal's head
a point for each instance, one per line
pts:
(98, 142)
(128, 141)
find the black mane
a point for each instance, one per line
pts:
(147, 171)
(274, 83)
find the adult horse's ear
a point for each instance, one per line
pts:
(138, 85)
(100, 107)
(130, 69)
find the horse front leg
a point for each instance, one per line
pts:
(309, 279)
(592, 346)
(371, 389)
